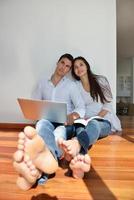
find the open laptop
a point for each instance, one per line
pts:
(38, 109)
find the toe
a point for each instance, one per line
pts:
(87, 159)
(20, 147)
(18, 156)
(30, 132)
(21, 135)
(21, 141)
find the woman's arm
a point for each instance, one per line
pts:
(102, 113)
(107, 106)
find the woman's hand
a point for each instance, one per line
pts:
(71, 117)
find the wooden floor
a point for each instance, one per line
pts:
(111, 176)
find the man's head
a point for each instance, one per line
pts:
(64, 65)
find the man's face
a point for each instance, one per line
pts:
(63, 67)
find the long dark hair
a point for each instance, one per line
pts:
(95, 89)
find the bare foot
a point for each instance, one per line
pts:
(28, 173)
(34, 146)
(79, 165)
(70, 148)
(26, 169)
(23, 184)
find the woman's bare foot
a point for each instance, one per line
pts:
(70, 148)
(34, 146)
(79, 165)
(64, 150)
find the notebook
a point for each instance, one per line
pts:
(37, 109)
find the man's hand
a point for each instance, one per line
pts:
(71, 117)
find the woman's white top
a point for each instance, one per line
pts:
(93, 107)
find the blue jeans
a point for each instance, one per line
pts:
(50, 132)
(95, 129)
(46, 130)
(86, 136)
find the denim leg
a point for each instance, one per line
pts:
(94, 130)
(70, 131)
(60, 132)
(45, 129)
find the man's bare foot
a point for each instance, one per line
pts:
(70, 148)
(34, 146)
(26, 169)
(23, 184)
(79, 165)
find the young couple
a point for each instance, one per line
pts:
(40, 148)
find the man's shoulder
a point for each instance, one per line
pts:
(71, 82)
(43, 80)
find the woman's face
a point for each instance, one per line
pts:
(80, 68)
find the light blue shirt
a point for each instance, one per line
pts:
(65, 91)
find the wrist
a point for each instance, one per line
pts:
(75, 115)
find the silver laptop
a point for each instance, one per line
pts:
(37, 109)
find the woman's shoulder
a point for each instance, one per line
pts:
(77, 83)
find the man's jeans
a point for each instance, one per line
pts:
(46, 130)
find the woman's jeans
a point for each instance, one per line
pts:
(95, 129)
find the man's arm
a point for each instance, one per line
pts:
(79, 106)
(37, 91)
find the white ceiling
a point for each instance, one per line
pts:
(125, 28)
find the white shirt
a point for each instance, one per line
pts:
(93, 107)
(65, 91)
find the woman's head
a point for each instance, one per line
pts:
(80, 68)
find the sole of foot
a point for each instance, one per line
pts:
(79, 165)
(27, 169)
(34, 146)
(23, 184)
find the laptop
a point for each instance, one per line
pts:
(38, 109)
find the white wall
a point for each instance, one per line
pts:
(33, 34)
